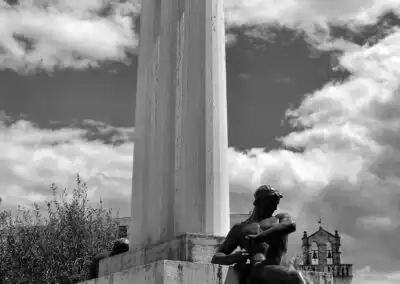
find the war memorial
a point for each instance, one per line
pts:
(180, 191)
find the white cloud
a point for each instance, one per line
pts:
(44, 34)
(368, 276)
(378, 223)
(347, 166)
(37, 157)
(307, 14)
(65, 34)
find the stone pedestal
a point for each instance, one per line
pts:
(171, 272)
(194, 248)
(184, 272)
(183, 260)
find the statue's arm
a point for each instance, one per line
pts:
(286, 225)
(223, 255)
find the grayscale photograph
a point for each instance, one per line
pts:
(199, 141)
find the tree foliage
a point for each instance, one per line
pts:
(40, 245)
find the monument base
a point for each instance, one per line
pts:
(183, 260)
(190, 247)
(171, 272)
(183, 272)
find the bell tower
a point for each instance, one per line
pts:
(321, 252)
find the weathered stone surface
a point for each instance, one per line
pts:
(171, 272)
(197, 248)
(185, 249)
(181, 181)
(183, 272)
(318, 277)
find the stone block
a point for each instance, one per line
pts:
(171, 272)
(183, 272)
(196, 248)
(318, 277)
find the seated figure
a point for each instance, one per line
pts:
(120, 246)
(263, 241)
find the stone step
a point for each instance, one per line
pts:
(183, 272)
(190, 247)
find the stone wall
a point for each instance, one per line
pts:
(197, 248)
(182, 272)
(171, 272)
(188, 255)
(342, 280)
(318, 277)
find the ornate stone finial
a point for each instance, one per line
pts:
(320, 222)
(305, 239)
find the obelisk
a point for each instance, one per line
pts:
(180, 178)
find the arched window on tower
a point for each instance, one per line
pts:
(329, 257)
(314, 254)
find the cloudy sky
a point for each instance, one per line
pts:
(313, 109)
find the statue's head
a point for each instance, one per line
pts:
(266, 200)
(120, 246)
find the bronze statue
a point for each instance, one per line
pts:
(263, 241)
(120, 246)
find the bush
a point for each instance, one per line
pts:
(41, 249)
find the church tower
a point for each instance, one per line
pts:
(321, 251)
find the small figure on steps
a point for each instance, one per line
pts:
(120, 246)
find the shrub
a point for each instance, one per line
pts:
(41, 248)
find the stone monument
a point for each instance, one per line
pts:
(180, 180)
(180, 195)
